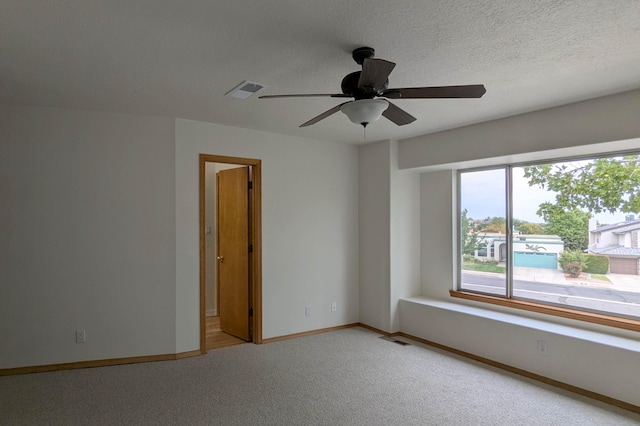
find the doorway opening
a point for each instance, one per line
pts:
(244, 306)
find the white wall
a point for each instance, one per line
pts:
(95, 236)
(86, 235)
(309, 224)
(389, 235)
(404, 237)
(607, 119)
(597, 358)
(374, 223)
(437, 225)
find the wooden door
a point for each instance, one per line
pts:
(233, 250)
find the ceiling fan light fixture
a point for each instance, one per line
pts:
(364, 111)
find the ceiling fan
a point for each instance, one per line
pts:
(372, 82)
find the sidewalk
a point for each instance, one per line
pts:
(625, 282)
(620, 282)
(551, 276)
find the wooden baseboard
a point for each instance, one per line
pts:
(189, 354)
(309, 333)
(376, 330)
(525, 373)
(85, 364)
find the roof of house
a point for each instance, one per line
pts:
(617, 251)
(623, 227)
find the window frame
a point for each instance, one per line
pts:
(508, 300)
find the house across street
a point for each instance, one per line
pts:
(537, 251)
(619, 242)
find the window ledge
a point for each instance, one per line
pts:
(601, 319)
(600, 337)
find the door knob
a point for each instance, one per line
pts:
(220, 258)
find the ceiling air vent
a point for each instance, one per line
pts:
(244, 89)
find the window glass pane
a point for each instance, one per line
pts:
(483, 246)
(567, 249)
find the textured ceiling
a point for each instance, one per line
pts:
(179, 58)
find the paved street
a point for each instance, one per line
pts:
(551, 286)
(567, 289)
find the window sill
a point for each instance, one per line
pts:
(611, 321)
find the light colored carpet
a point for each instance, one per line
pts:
(346, 377)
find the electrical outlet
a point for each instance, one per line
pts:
(81, 336)
(543, 348)
(307, 311)
(334, 306)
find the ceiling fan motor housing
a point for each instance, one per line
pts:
(362, 53)
(350, 87)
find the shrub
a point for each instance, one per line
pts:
(573, 256)
(596, 264)
(573, 269)
(467, 258)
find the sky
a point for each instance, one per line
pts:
(483, 195)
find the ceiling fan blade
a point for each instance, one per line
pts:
(398, 115)
(322, 116)
(374, 73)
(310, 95)
(468, 91)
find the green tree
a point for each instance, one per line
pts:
(517, 223)
(573, 256)
(494, 224)
(531, 228)
(469, 240)
(571, 226)
(601, 185)
(573, 262)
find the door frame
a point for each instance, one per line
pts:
(255, 257)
